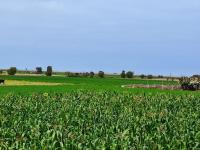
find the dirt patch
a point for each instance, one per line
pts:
(162, 87)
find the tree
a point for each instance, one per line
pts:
(38, 70)
(91, 74)
(160, 76)
(129, 74)
(123, 74)
(150, 76)
(1, 71)
(49, 71)
(142, 76)
(12, 71)
(101, 74)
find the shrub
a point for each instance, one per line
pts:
(49, 71)
(123, 74)
(129, 74)
(101, 74)
(12, 71)
(38, 70)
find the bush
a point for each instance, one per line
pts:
(91, 74)
(38, 70)
(1, 71)
(123, 74)
(49, 71)
(129, 74)
(101, 74)
(12, 71)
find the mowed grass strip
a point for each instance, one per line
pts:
(23, 83)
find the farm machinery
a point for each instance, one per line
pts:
(190, 83)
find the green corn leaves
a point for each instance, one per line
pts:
(99, 120)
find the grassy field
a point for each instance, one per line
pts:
(37, 84)
(38, 112)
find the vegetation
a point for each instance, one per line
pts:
(150, 76)
(92, 74)
(123, 74)
(142, 76)
(49, 71)
(99, 120)
(91, 113)
(12, 71)
(192, 83)
(38, 70)
(129, 74)
(101, 74)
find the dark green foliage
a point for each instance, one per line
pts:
(85, 74)
(1, 71)
(49, 71)
(92, 74)
(129, 74)
(150, 76)
(142, 76)
(160, 76)
(38, 70)
(123, 74)
(101, 74)
(12, 71)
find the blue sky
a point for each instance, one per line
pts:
(151, 37)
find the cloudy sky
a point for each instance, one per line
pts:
(151, 37)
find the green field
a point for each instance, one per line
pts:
(97, 84)
(94, 113)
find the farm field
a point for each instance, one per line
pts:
(94, 113)
(62, 84)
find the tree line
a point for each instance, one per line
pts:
(49, 72)
(100, 74)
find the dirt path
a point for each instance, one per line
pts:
(162, 87)
(22, 83)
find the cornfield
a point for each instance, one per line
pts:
(99, 120)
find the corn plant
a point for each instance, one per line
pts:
(99, 120)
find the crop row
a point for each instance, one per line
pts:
(99, 120)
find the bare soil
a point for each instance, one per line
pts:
(162, 87)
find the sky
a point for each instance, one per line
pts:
(144, 36)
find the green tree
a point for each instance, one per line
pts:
(150, 76)
(101, 74)
(12, 71)
(49, 71)
(129, 74)
(91, 74)
(142, 76)
(123, 74)
(38, 70)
